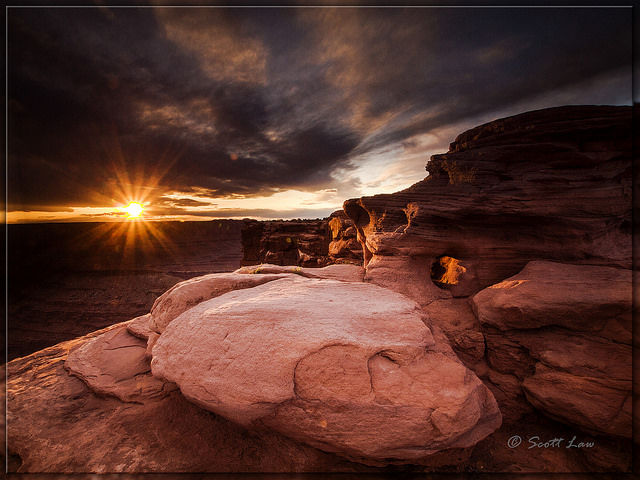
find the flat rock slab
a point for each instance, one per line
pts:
(139, 326)
(350, 368)
(578, 297)
(115, 364)
(342, 272)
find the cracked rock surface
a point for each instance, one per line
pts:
(349, 368)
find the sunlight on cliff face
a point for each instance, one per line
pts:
(508, 284)
(446, 271)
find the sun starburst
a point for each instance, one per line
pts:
(133, 210)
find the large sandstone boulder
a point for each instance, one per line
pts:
(349, 368)
(565, 332)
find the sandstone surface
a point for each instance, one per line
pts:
(115, 364)
(342, 272)
(57, 423)
(552, 185)
(565, 331)
(189, 293)
(578, 297)
(322, 362)
(514, 255)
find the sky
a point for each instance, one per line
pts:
(201, 113)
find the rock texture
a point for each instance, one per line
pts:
(92, 405)
(294, 242)
(528, 218)
(569, 326)
(321, 361)
(57, 423)
(189, 293)
(344, 246)
(552, 184)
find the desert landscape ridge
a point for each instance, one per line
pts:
(477, 321)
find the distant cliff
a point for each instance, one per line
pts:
(305, 243)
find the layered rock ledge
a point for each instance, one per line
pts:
(552, 184)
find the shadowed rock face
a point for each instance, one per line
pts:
(574, 323)
(296, 242)
(553, 184)
(306, 243)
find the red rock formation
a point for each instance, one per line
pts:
(552, 338)
(131, 422)
(570, 326)
(344, 246)
(322, 363)
(296, 242)
(306, 243)
(516, 251)
(553, 184)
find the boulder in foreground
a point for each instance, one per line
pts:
(350, 368)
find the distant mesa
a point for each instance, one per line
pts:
(435, 329)
(306, 243)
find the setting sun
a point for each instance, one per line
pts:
(133, 210)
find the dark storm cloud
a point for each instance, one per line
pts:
(243, 102)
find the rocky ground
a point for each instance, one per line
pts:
(488, 330)
(67, 280)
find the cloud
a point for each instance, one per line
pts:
(107, 105)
